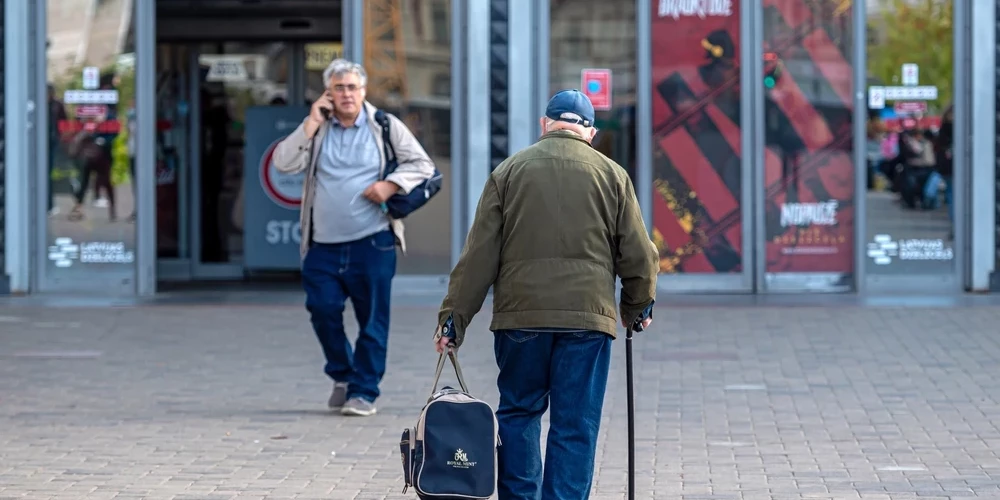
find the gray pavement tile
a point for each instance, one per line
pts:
(751, 402)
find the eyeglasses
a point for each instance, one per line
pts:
(349, 88)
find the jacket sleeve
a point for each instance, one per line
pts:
(293, 153)
(478, 265)
(636, 260)
(415, 165)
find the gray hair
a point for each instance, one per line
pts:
(553, 125)
(341, 67)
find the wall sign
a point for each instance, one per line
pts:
(883, 250)
(596, 84)
(271, 231)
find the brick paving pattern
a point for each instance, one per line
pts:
(750, 403)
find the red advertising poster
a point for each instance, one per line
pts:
(809, 176)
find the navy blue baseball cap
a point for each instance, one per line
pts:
(571, 106)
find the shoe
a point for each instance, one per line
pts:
(358, 407)
(339, 396)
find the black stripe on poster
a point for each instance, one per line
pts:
(711, 143)
(717, 249)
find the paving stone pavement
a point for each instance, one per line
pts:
(748, 402)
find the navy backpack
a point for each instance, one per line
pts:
(451, 454)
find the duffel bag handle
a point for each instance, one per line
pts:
(440, 368)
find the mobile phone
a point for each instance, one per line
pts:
(326, 112)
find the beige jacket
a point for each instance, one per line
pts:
(297, 153)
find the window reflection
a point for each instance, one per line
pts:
(90, 241)
(408, 60)
(599, 34)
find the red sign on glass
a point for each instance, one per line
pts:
(596, 84)
(904, 108)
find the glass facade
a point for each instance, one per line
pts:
(697, 164)
(595, 34)
(407, 53)
(737, 120)
(809, 172)
(910, 143)
(90, 194)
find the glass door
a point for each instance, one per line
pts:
(701, 155)
(228, 78)
(913, 162)
(804, 182)
(173, 167)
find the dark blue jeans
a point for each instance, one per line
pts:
(568, 370)
(362, 271)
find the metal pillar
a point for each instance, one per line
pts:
(644, 112)
(982, 184)
(354, 30)
(520, 91)
(17, 202)
(859, 61)
(145, 115)
(4, 280)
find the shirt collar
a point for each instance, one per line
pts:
(358, 122)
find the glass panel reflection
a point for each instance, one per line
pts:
(91, 148)
(909, 139)
(408, 60)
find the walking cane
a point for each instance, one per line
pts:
(631, 411)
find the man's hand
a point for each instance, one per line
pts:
(645, 323)
(321, 110)
(441, 342)
(381, 191)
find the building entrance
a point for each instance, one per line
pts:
(206, 91)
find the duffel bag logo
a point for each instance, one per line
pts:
(461, 460)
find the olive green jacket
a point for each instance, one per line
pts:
(556, 223)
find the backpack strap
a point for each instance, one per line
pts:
(387, 147)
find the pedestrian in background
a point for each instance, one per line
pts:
(555, 224)
(348, 240)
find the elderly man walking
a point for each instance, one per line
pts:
(348, 239)
(555, 224)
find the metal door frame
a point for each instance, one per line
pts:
(200, 270)
(179, 268)
(954, 282)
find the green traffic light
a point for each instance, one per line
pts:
(769, 82)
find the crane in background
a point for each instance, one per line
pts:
(385, 51)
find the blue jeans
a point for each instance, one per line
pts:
(570, 371)
(362, 271)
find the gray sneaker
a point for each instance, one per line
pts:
(358, 407)
(339, 396)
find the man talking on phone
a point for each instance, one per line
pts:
(348, 240)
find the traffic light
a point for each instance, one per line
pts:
(772, 69)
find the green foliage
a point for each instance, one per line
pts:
(914, 31)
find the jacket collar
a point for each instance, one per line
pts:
(563, 134)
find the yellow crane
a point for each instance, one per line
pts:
(385, 49)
